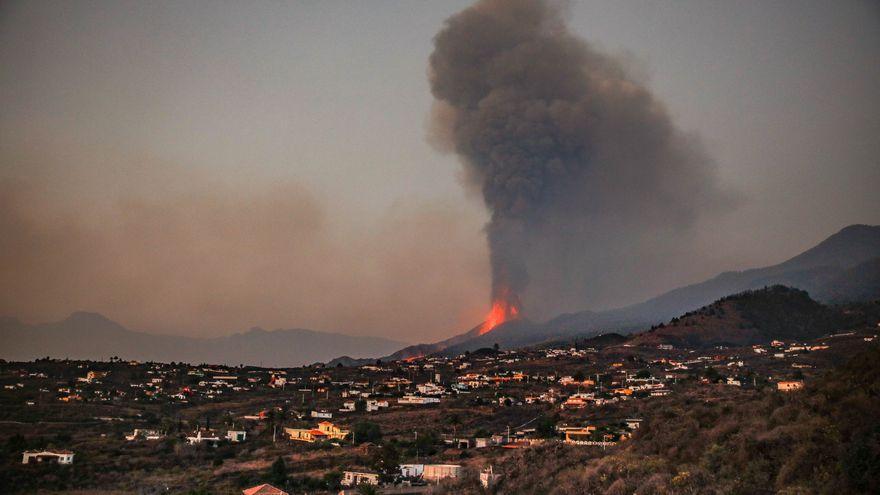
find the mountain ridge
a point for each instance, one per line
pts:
(812, 270)
(88, 335)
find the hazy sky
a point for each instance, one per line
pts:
(204, 167)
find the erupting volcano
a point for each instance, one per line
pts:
(577, 162)
(503, 310)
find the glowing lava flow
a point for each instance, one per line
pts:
(501, 312)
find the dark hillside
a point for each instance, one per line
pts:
(749, 317)
(784, 313)
(860, 283)
(821, 440)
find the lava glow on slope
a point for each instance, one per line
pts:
(502, 311)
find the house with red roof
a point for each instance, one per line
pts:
(325, 431)
(264, 489)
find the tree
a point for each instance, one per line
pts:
(333, 480)
(15, 444)
(455, 421)
(426, 443)
(712, 374)
(386, 461)
(643, 374)
(546, 428)
(278, 472)
(365, 431)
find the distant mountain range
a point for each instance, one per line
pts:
(844, 267)
(92, 336)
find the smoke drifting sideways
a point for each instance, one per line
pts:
(593, 191)
(180, 251)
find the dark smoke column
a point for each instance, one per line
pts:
(578, 164)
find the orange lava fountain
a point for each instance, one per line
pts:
(502, 311)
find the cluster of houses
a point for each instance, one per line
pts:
(781, 350)
(430, 473)
(163, 382)
(500, 379)
(369, 405)
(159, 382)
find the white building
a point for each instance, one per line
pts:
(436, 472)
(412, 470)
(59, 456)
(355, 478)
(207, 437)
(418, 400)
(140, 434)
(276, 381)
(236, 435)
(430, 389)
(375, 405)
(633, 423)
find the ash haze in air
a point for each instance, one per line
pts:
(590, 184)
(198, 168)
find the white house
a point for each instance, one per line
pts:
(236, 435)
(140, 434)
(375, 405)
(418, 400)
(355, 478)
(59, 456)
(412, 470)
(633, 423)
(430, 389)
(436, 472)
(483, 442)
(209, 437)
(276, 381)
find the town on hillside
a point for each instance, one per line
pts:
(433, 424)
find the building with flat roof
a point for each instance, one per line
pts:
(57, 456)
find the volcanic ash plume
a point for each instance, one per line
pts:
(589, 184)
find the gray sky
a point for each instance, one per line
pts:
(204, 167)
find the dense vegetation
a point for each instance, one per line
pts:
(785, 313)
